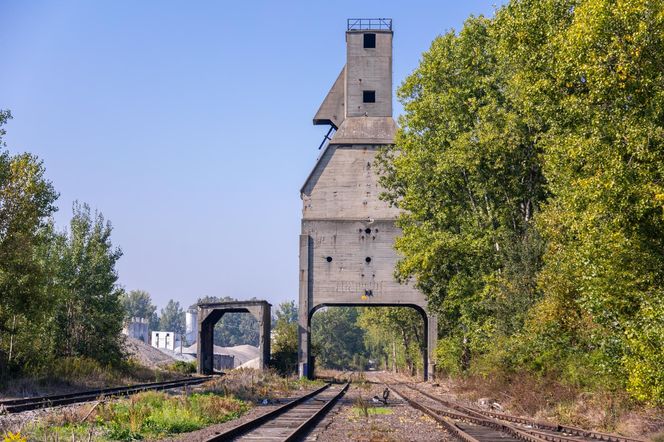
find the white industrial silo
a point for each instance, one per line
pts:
(191, 327)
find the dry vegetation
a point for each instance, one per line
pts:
(160, 414)
(548, 399)
(255, 385)
(79, 373)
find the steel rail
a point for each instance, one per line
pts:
(439, 416)
(310, 423)
(24, 404)
(264, 418)
(444, 421)
(558, 428)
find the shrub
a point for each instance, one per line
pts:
(182, 367)
(448, 355)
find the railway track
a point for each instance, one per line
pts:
(550, 430)
(473, 425)
(289, 422)
(24, 404)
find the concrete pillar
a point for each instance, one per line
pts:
(205, 353)
(432, 342)
(263, 314)
(304, 327)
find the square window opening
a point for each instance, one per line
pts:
(369, 41)
(369, 96)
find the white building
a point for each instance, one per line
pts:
(165, 339)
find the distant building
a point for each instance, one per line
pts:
(165, 339)
(136, 328)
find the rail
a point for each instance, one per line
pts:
(552, 432)
(272, 418)
(32, 403)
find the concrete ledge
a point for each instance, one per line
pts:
(366, 130)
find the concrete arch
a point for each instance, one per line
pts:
(430, 334)
(210, 313)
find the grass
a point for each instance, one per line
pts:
(363, 408)
(145, 415)
(182, 367)
(156, 415)
(370, 411)
(659, 437)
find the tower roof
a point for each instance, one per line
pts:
(369, 24)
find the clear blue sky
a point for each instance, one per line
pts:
(188, 124)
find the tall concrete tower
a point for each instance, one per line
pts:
(347, 255)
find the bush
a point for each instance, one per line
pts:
(448, 355)
(644, 358)
(182, 367)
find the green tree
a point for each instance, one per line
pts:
(337, 340)
(89, 313)
(284, 343)
(138, 304)
(466, 169)
(172, 318)
(26, 202)
(591, 71)
(394, 334)
(529, 164)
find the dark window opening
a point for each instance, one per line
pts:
(328, 259)
(369, 96)
(369, 40)
(367, 230)
(367, 259)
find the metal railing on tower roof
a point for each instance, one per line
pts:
(369, 24)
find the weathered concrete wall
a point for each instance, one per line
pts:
(224, 362)
(369, 69)
(352, 257)
(344, 185)
(210, 313)
(347, 254)
(333, 109)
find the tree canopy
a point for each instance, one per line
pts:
(138, 304)
(59, 296)
(529, 164)
(284, 340)
(89, 313)
(337, 340)
(172, 318)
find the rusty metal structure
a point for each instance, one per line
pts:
(347, 255)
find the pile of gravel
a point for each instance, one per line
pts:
(147, 355)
